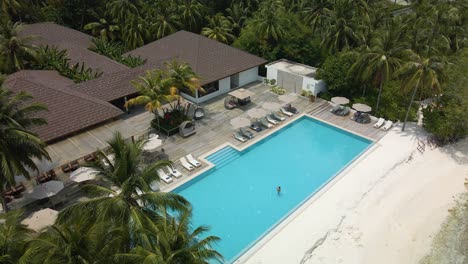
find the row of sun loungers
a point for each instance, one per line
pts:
(385, 125)
(189, 162)
(268, 121)
(168, 173)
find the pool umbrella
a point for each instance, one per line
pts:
(152, 144)
(239, 122)
(46, 190)
(41, 219)
(271, 106)
(340, 100)
(256, 112)
(241, 94)
(362, 108)
(83, 174)
(288, 98)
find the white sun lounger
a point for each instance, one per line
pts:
(154, 186)
(239, 137)
(271, 120)
(185, 163)
(163, 176)
(379, 123)
(173, 171)
(284, 111)
(388, 125)
(193, 161)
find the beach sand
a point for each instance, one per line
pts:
(385, 208)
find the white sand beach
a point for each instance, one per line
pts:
(385, 208)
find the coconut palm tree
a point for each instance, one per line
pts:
(341, 31)
(314, 12)
(269, 21)
(135, 32)
(421, 75)
(18, 146)
(15, 51)
(81, 241)
(219, 28)
(377, 63)
(103, 29)
(191, 13)
(237, 15)
(13, 237)
(123, 194)
(154, 90)
(164, 21)
(10, 7)
(180, 76)
(175, 242)
(123, 9)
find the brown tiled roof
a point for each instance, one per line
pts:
(69, 111)
(75, 42)
(210, 59)
(116, 85)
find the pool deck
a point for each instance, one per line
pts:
(215, 131)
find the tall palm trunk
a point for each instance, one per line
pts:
(409, 107)
(380, 94)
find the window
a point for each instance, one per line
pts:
(209, 88)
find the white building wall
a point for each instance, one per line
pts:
(272, 73)
(314, 86)
(248, 76)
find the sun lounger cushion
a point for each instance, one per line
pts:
(193, 161)
(185, 164)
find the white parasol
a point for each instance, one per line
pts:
(41, 219)
(46, 190)
(256, 112)
(83, 174)
(340, 100)
(362, 108)
(239, 122)
(152, 144)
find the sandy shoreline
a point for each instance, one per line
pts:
(386, 209)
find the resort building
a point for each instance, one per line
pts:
(294, 77)
(75, 107)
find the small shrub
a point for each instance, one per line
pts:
(272, 82)
(278, 90)
(266, 81)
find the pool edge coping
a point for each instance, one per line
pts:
(263, 239)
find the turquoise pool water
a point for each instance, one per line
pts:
(238, 197)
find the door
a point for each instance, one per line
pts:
(234, 80)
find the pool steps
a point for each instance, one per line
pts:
(223, 157)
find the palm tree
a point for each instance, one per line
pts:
(164, 21)
(10, 7)
(123, 9)
(237, 15)
(135, 32)
(377, 63)
(154, 90)
(181, 76)
(191, 13)
(13, 237)
(342, 28)
(15, 51)
(315, 11)
(219, 29)
(176, 243)
(81, 241)
(18, 146)
(103, 29)
(423, 75)
(269, 22)
(124, 195)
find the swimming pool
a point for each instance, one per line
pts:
(238, 197)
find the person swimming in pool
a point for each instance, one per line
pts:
(278, 189)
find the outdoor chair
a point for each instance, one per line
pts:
(256, 126)
(239, 137)
(379, 123)
(246, 133)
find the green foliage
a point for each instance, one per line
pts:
(278, 90)
(13, 237)
(115, 51)
(52, 58)
(170, 119)
(16, 52)
(18, 146)
(335, 72)
(300, 45)
(446, 117)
